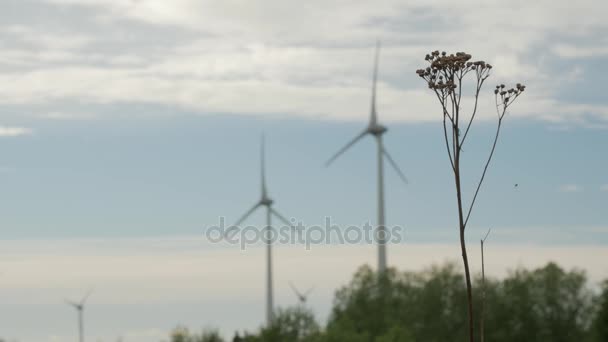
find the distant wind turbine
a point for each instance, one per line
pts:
(377, 130)
(302, 296)
(266, 201)
(79, 306)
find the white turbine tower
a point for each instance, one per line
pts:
(79, 306)
(377, 130)
(266, 201)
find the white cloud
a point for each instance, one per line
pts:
(266, 57)
(604, 187)
(570, 188)
(69, 116)
(572, 51)
(6, 131)
(249, 96)
(48, 40)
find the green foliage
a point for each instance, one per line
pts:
(182, 334)
(545, 304)
(295, 324)
(600, 323)
(429, 305)
(396, 334)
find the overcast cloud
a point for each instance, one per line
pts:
(303, 59)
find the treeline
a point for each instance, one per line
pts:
(545, 304)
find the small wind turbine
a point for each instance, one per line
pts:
(266, 201)
(377, 130)
(79, 306)
(302, 297)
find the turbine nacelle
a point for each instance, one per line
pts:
(266, 201)
(76, 306)
(376, 129)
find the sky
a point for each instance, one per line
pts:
(128, 127)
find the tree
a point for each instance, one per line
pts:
(367, 307)
(546, 304)
(295, 324)
(600, 323)
(444, 76)
(182, 334)
(396, 334)
(406, 306)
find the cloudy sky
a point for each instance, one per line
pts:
(128, 126)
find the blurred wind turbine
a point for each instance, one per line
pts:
(79, 306)
(377, 130)
(302, 297)
(266, 201)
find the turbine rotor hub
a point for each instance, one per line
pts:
(376, 129)
(266, 201)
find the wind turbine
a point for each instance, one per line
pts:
(375, 129)
(266, 201)
(79, 306)
(302, 297)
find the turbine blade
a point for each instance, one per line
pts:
(281, 217)
(309, 291)
(295, 290)
(485, 237)
(395, 166)
(243, 218)
(374, 115)
(263, 165)
(343, 149)
(86, 296)
(70, 303)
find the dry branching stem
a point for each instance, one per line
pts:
(483, 290)
(445, 75)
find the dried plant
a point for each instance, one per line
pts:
(444, 76)
(483, 290)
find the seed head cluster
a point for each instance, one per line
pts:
(507, 95)
(444, 69)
